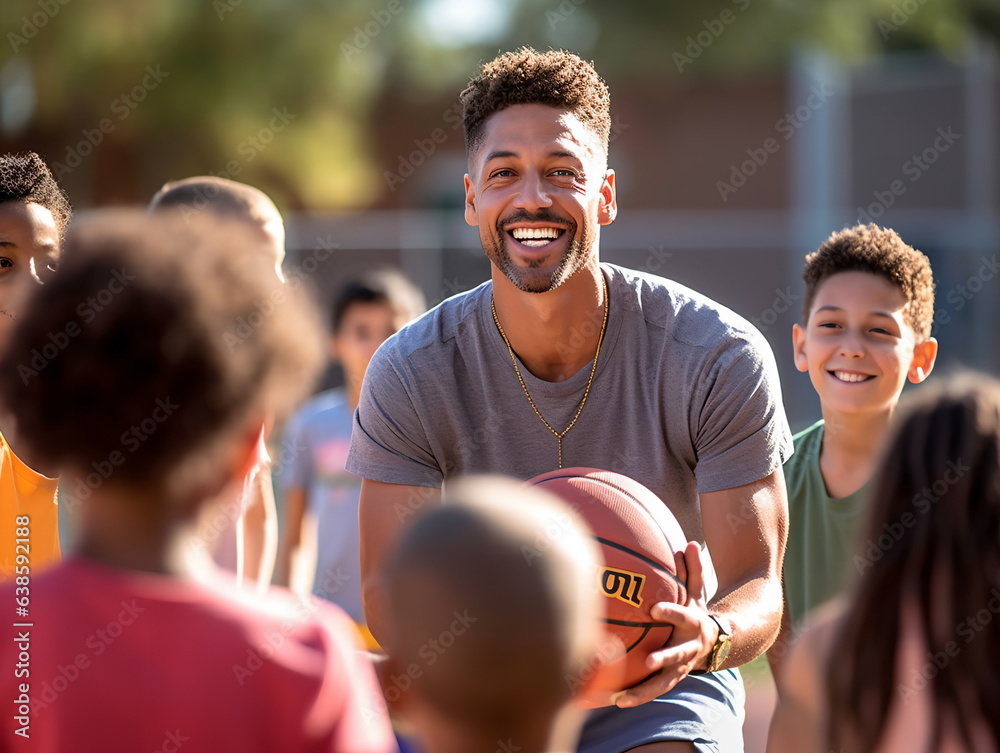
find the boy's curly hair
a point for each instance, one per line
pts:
(880, 251)
(523, 77)
(25, 177)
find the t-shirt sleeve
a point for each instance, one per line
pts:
(740, 432)
(296, 470)
(388, 441)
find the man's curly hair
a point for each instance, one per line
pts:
(525, 77)
(880, 251)
(26, 178)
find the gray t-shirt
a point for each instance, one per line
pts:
(685, 399)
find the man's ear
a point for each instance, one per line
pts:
(471, 215)
(799, 348)
(607, 210)
(924, 356)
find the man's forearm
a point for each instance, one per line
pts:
(752, 613)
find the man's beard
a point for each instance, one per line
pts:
(535, 278)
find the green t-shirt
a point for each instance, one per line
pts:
(822, 531)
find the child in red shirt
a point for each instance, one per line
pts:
(122, 648)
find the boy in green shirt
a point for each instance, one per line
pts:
(869, 306)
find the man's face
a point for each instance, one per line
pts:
(538, 188)
(29, 250)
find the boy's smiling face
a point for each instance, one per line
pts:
(29, 251)
(858, 346)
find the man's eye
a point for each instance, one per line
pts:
(505, 173)
(5, 262)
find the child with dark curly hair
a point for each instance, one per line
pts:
(34, 213)
(868, 310)
(131, 644)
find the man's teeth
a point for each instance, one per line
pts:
(847, 377)
(534, 233)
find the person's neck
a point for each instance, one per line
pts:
(136, 530)
(8, 426)
(352, 390)
(554, 334)
(852, 443)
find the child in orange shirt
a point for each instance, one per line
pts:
(34, 213)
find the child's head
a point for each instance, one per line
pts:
(366, 312)
(493, 618)
(930, 541)
(231, 200)
(34, 213)
(150, 375)
(869, 306)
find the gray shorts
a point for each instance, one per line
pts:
(706, 710)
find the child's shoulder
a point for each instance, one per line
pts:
(322, 408)
(807, 444)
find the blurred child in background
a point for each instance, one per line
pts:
(320, 550)
(247, 540)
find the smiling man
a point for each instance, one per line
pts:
(34, 213)
(562, 361)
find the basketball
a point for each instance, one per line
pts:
(638, 537)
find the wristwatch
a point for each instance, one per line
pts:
(723, 644)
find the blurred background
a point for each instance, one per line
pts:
(744, 132)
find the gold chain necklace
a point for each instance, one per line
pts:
(586, 393)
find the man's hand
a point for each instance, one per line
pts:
(745, 534)
(690, 642)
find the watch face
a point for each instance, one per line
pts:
(721, 651)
